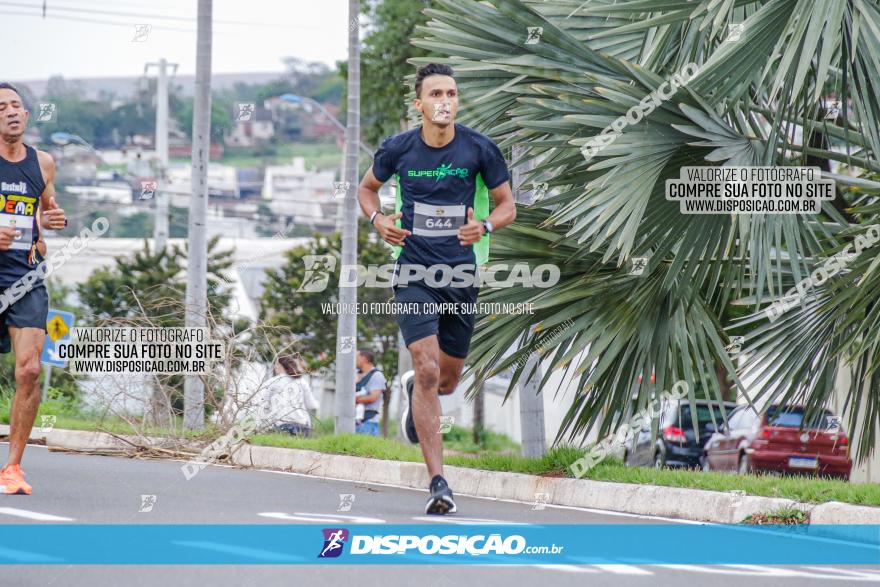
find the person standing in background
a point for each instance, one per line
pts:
(369, 393)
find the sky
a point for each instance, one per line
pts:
(249, 35)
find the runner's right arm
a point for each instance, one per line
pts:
(368, 198)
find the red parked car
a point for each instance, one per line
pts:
(776, 441)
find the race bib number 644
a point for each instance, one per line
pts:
(433, 220)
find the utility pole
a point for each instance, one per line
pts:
(346, 331)
(340, 206)
(197, 263)
(160, 228)
(531, 402)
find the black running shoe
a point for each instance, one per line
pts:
(441, 502)
(407, 422)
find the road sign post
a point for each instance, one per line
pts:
(58, 327)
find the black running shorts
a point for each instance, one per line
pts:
(447, 312)
(30, 311)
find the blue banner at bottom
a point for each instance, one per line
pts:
(641, 544)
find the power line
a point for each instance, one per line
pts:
(64, 8)
(127, 25)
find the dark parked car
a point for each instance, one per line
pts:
(676, 443)
(780, 440)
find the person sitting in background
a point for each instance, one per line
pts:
(369, 394)
(287, 401)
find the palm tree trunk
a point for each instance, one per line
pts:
(727, 393)
(478, 416)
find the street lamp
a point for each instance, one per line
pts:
(305, 100)
(62, 139)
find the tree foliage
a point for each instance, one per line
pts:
(591, 63)
(309, 325)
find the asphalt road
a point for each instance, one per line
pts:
(73, 488)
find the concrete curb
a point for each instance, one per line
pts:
(83, 439)
(673, 502)
(650, 500)
(835, 512)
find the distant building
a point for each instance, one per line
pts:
(320, 128)
(250, 128)
(116, 193)
(305, 196)
(250, 182)
(75, 165)
(222, 182)
(183, 150)
(302, 121)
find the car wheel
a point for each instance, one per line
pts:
(745, 465)
(659, 460)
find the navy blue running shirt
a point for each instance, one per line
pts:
(436, 186)
(21, 185)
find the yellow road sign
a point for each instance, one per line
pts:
(57, 328)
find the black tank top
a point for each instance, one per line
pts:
(21, 185)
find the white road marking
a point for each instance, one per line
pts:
(563, 568)
(34, 515)
(866, 575)
(526, 503)
(335, 518)
(623, 569)
(760, 571)
(459, 520)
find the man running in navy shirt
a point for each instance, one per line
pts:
(445, 173)
(27, 191)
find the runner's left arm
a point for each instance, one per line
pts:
(505, 206)
(496, 176)
(52, 216)
(503, 214)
